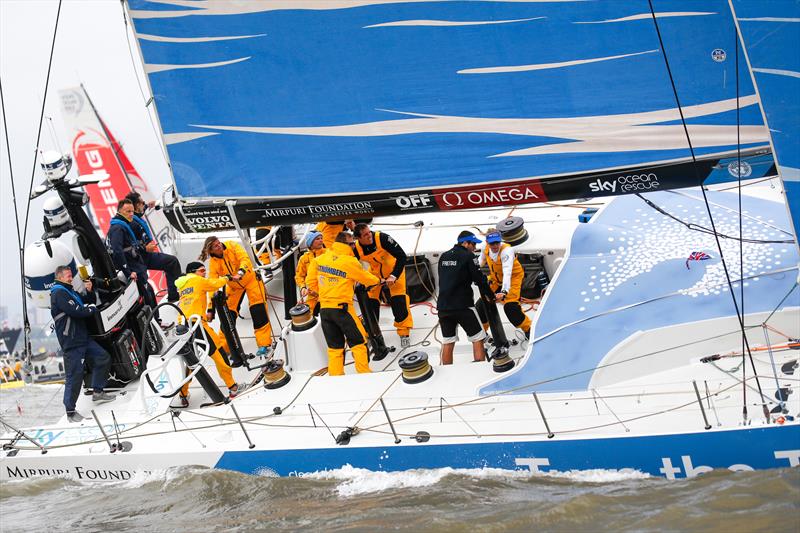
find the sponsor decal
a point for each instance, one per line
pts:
(470, 197)
(77, 472)
(645, 181)
(117, 309)
(413, 201)
(208, 218)
(670, 470)
(718, 55)
(740, 169)
(285, 212)
(318, 212)
(347, 208)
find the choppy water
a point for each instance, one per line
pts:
(351, 499)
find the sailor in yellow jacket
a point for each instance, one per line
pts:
(195, 291)
(330, 230)
(333, 276)
(388, 261)
(229, 260)
(505, 279)
(315, 249)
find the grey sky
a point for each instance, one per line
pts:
(91, 48)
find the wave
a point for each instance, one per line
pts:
(357, 481)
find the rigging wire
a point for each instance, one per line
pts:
(22, 237)
(739, 195)
(739, 314)
(702, 229)
(41, 119)
(147, 101)
(752, 218)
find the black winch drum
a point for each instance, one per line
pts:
(512, 230)
(415, 367)
(275, 376)
(502, 363)
(302, 317)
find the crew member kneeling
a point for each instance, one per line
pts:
(505, 280)
(333, 276)
(194, 291)
(229, 260)
(69, 313)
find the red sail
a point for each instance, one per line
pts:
(96, 152)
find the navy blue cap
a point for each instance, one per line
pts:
(494, 237)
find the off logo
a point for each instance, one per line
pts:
(413, 201)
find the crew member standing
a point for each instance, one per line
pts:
(229, 260)
(127, 252)
(70, 311)
(388, 261)
(330, 230)
(195, 292)
(315, 249)
(154, 259)
(458, 270)
(505, 279)
(333, 276)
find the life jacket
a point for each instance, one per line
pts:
(496, 267)
(381, 262)
(302, 265)
(134, 248)
(233, 259)
(144, 226)
(57, 287)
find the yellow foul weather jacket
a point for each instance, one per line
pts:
(334, 274)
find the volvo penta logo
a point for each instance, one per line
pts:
(740, 169)
(413, 201)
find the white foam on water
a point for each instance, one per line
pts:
(596, 475)
(143, 477)
(362, 481)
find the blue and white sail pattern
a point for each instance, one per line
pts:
(770, 30)
(628, 272)
(329, 98)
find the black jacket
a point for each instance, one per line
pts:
(458, 270)
(126, 249)
(70, 311)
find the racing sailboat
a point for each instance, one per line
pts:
(666, 341)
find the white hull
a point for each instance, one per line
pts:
(640, 409)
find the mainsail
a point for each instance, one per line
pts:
(308, 110)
